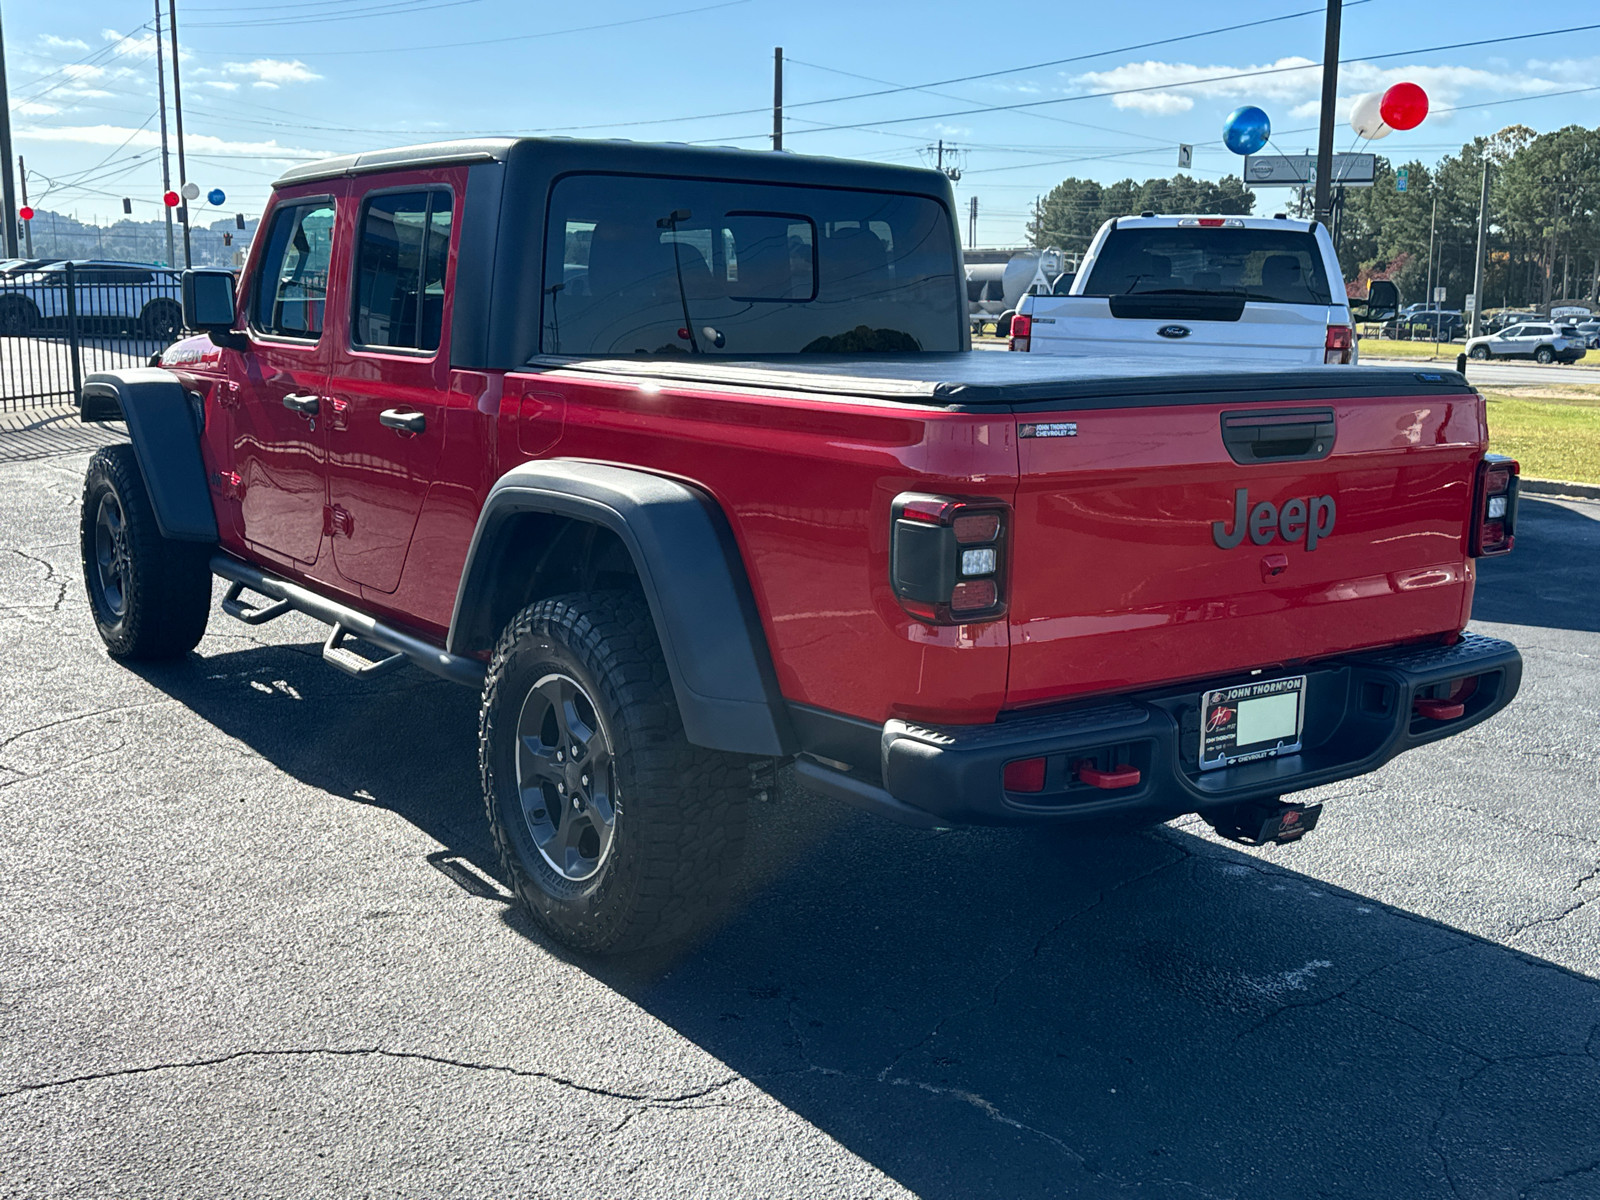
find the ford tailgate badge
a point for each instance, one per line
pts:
(1173, 331)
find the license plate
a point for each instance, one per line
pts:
(1251, 721)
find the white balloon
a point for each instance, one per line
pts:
(1365, 118)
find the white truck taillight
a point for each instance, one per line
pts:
(947, 557)
(1021, 331)
(1494, 506)
(1337, 347)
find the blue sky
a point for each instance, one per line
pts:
(268, 85)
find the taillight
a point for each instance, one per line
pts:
(1336, 349)
(1021, 331)
(1494, 506)
(947, 557)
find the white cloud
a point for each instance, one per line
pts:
(273, 71)
(30, 108)
(222, 85)
(50, 42)
(1298, 81)
(117, 135)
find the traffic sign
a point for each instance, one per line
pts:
(1438, 295)
(1472, 302)
(1185, 155)
(1300, 170)
(1402, 179)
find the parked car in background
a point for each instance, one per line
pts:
(1504, 320)
(1590, 332)
(1539, 341)
(16, 266)
(107, 297)
(1428, 326)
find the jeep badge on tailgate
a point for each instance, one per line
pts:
(1311, 519)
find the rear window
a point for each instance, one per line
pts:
(637, 265)
(1278, 266)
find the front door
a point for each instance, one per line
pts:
(389, 374)
(281, 383)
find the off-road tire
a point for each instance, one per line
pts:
(1480, 353)
(680, 810)
(161, 601)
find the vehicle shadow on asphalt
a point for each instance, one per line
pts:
(1552, 576)
(1033, 1013)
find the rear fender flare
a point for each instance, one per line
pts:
(161, 425)
(689, 568)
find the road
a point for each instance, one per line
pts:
(1506, 373)
(256, 946)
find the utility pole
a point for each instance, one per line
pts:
(9, 187)
(166, 167)
(1483, 245)
(940, 160)
(777, 97)
(22, 178)
(1330, 94)
(972, 223)
(177, 106)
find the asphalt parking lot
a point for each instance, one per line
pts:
(255, 946)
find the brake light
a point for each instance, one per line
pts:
(1494, 506)
(1337, 346)
(1211, 222)
(1021, 331)
(947, 557)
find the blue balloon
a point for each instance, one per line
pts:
(216, 196)
(1246, 130)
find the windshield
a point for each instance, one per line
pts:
(637, 265)
(1278, 266)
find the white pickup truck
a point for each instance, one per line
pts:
(1262, 289)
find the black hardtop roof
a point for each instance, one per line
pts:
(980, 377)
(621, 155)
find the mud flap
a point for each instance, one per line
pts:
(1257, 822)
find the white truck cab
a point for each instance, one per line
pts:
(1263, 289)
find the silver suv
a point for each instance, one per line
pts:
(1542, 341)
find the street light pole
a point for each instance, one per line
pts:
(1330, 94)
(777, 97)
(9, 184)
(166, 166)
(177, 108)
(1483, 245)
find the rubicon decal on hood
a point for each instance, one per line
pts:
(1309, 520)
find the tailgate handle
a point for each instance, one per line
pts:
(1281, 435)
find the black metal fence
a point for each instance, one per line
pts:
(61, 324)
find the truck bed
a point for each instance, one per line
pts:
(982, 379)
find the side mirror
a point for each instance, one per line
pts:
(208, 300)
(1382, 302)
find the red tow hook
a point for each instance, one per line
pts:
(1121, 776)
(1439, 710)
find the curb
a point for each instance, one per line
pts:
(1556, 487)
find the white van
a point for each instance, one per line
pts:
(1263, 289)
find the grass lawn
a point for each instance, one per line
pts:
(1379, 348)
(1552, 436)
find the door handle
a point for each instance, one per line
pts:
(408, 422)
(305, 405)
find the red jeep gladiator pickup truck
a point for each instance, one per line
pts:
(682, 456)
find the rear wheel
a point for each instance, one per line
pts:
(1544, 355)
(150, 595)
(1480, 353)
(614, 830)
(161, 320)
(18, 316)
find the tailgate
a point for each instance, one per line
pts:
(1130, 569)
(1280, 333)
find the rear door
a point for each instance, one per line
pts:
(389, 372)
(1191, 541)
(280, 383)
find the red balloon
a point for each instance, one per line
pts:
(25, 212)
(172, 199)
(1403, 106)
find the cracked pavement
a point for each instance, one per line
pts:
(255, 945)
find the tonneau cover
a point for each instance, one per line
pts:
(988, 377)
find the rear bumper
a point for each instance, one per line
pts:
(1359, 715)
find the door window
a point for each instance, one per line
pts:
(400, 269)
(293, 286)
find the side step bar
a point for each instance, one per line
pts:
(347, 622)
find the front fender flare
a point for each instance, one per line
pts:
(692, 575)
(161, 426)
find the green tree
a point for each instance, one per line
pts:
(1076, 208)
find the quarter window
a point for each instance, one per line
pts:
(400, 269)
(293, 288)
